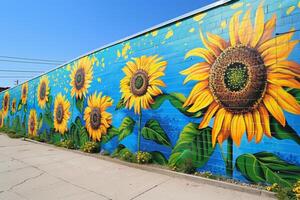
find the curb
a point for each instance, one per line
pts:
(155, 169)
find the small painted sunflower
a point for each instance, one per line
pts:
(1, 119)
(61, 113)
(241, 81)
(142, 82)
(14, 105)
(95, 115)
(43, 91)
(24, 93)
(32, 123)
(5, 103)
(81, 77)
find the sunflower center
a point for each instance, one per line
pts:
(238, 79)
(236, 76)
(14, 105)
(1, 119)
(95, 118)
(79, 79)
(59, 113)
(24, 91)
(32, 125)
(139, 83)
(43, 91)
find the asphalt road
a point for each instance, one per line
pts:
(35, 171)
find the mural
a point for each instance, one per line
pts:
(218, 91)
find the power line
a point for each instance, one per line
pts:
(35, 59)
(16, 77)
(28, 62)
(25, 71)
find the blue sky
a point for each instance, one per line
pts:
(63, 30)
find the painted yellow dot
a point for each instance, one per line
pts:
(154, 33)
(290, 10)
(178, 24)
(299, 4)
(236, 5)
(68, 67)
(99, 80)
(192, 30)
(199, 17)
(118, 54)
(223, 24)
(169, 34)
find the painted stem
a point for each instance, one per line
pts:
(139, 131)
(229, 164)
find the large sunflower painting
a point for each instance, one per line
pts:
(61, 113)
(43, 91)
(32, 123)
(5, 103)
(141, 82)
(240, 82)
(95, 115)
(81, 77)
(24, 93)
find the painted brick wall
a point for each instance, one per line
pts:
(217, 91)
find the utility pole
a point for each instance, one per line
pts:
(17, 82)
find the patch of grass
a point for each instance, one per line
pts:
(68, 144)
(90, 147)
(143, 157)
(126, 155)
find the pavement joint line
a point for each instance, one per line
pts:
(149, 189)
(24, 181)
(156, 169)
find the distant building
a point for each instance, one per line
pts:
(3, 88)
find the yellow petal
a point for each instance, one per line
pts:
(284, 99)
(200, 75)
(249, 125)
(258, 26)
(225, 131)
(217, 125)
(245, 30)
(233, 28)
(264, 116)
(217, 40)
(203, 53)
(291, 83)
(268, 30)
(196, 91)
(258, 127)
(212, 47)
(238, 128)
(195, 67)
(274, 109)
(202, 101)
(285, 64)
(209, 114)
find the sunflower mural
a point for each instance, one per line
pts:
(61, 113)
(32, 123)
(5, 103)
(242, 82)
(142, 83)
(95, 115)
(24, 93)
(14, 105)
(43, 91)
(81, 77)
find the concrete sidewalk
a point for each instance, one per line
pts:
(35, 171)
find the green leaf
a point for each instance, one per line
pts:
(115, 153)
(20, 105)
(84, 136)
(48, 118)
(282, 133)
(120, 104)
(40, 121)
(153, 131)
(126, 128)
(267, 167)
(49, 102)
(159, 158)
(79, 104)
(177, 100)
(111, 133)
(193, 148)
